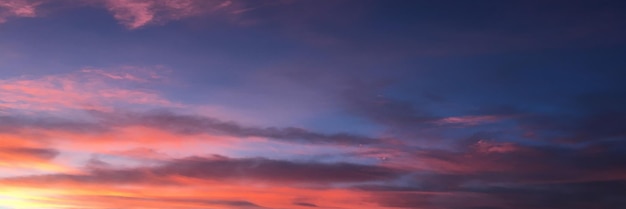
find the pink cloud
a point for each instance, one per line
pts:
(17, 8)
(89, 89)
(132, 13)
(138, 13)
(483, 146)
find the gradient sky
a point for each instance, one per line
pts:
(344, 104)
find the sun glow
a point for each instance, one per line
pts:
(10, 199)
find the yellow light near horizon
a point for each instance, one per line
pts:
(27, 199)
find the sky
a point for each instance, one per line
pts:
(333, 104)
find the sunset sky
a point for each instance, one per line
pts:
(331, 104)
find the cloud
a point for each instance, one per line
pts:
(195, 124)
(420, 120)
(38, 153)
(176, 124)
(88, 89)
(220, 168)
(17, 123)
(490, 174)
(16, 159)
(189, 193)
(526, 163)
(132, 14)
(305, 204)
(489, 147)
(172, 202)
(129, 73)
(25, 156)
(104, 100)
(479, 168)
(137, 13)
(18, 8)
(603, 194)
(469, 120)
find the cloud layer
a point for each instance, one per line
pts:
(144, 104)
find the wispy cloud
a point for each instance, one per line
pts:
(132, 14)
(139, 13)
(470, 120)
(18, 8)
(88, 89)
(257, 170)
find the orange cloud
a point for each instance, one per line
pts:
(19, 156)
(187, 193)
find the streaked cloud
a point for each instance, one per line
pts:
(137, 13)
(87, 89)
